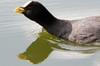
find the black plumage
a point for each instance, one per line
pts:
(84, 30)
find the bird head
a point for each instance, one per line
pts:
(30, 9)
(35, 11)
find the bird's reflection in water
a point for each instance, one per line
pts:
(39, 50)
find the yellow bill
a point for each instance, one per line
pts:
(19, 10)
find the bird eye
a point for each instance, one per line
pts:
(30, 7)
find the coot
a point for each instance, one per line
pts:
(82, 31)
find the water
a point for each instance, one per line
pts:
(17, 34)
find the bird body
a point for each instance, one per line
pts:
(83, 30)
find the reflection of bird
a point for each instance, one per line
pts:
(80, 31)
(39, 50)
(46, 44)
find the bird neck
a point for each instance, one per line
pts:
(44, 18)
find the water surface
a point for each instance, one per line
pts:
(19, 35)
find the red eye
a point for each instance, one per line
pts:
(29, 7)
